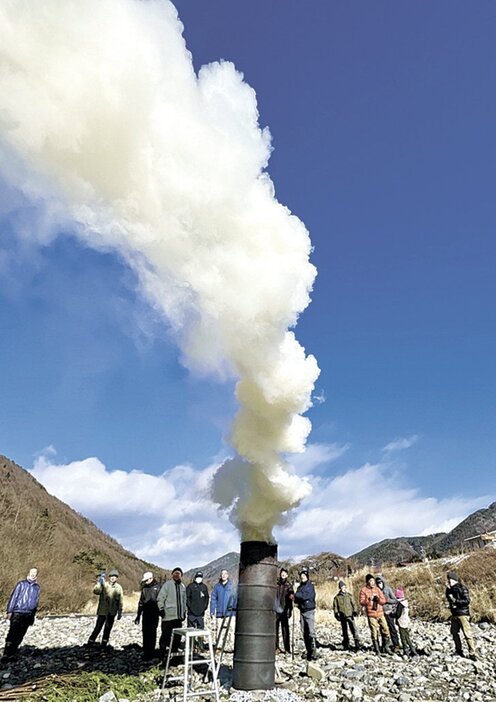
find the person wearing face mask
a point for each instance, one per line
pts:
(197, 599)
(148, 614)
(21, 611)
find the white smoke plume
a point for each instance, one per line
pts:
(102, 117)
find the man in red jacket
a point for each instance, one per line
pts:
(372, 600)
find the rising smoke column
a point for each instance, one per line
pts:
(101, 113)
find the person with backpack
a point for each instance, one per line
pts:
(458, 598)
(284, 610)
(389, 610)
(21, 611)
(109, 607)
(148, 614)
(345, 611)
(372, 600)
(402, 616)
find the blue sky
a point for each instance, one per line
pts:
(382, 117)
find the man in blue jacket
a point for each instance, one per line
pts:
(223, 597)
(305, 601)
(21, 610)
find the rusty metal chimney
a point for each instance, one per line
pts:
(255, 637)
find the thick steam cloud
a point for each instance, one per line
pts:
(101, 113)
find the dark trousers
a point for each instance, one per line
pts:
(406, 641)
(196, 621)
(348, 622)
(391, 622)
(166, 635)
(19, 624)
(282, 623)
(105, 622)
(149, 625)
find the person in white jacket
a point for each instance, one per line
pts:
(403, 620)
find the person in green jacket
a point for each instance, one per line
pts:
(109, 606)
(345, 611)
(171, 603)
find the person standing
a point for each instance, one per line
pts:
(148, 614)
(458, 598)
(345, 611)
(305, 601)
(171, 603)
(223, 597)
(389, 610)
(402, 615)
(21, 611)
(284, 609)
(197, 599)
(372, 600)
(109, 606)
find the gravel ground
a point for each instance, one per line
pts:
(55, 645)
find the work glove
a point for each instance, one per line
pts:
(137, 620)
(119, 615)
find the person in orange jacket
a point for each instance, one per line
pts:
(372, 600)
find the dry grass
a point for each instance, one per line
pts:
(424, 584)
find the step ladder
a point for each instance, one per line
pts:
(190, 635)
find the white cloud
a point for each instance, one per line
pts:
(170, 520)
(315, 456)
(401, 443)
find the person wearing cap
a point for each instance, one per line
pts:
(372, 600)
(458, 598)
(148, 614)
(21, 611)
(304, 598)
(197, 599)
(109, 606)
(345, 611)
(171, 603)
(389, 611)
(284, 609)
(223, 598)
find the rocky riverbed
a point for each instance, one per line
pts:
(55, 646)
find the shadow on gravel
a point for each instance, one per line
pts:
(31, 663)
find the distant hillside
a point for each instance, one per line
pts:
(211, 571)
(323, 566)
(399, 550)
(477, 523)
(37, 529)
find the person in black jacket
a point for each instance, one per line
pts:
(148, 613)
(305, 601)
(459, 603)
(284, 609)
(197, 599)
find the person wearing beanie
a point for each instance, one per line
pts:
(402, 616)
(305, 601)
(197, 598)
(389, 611)
(345, 611)
(372, 600)
(148, 614)
(284, 610)
(171, 603)
(109, 606)
(458, 598)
